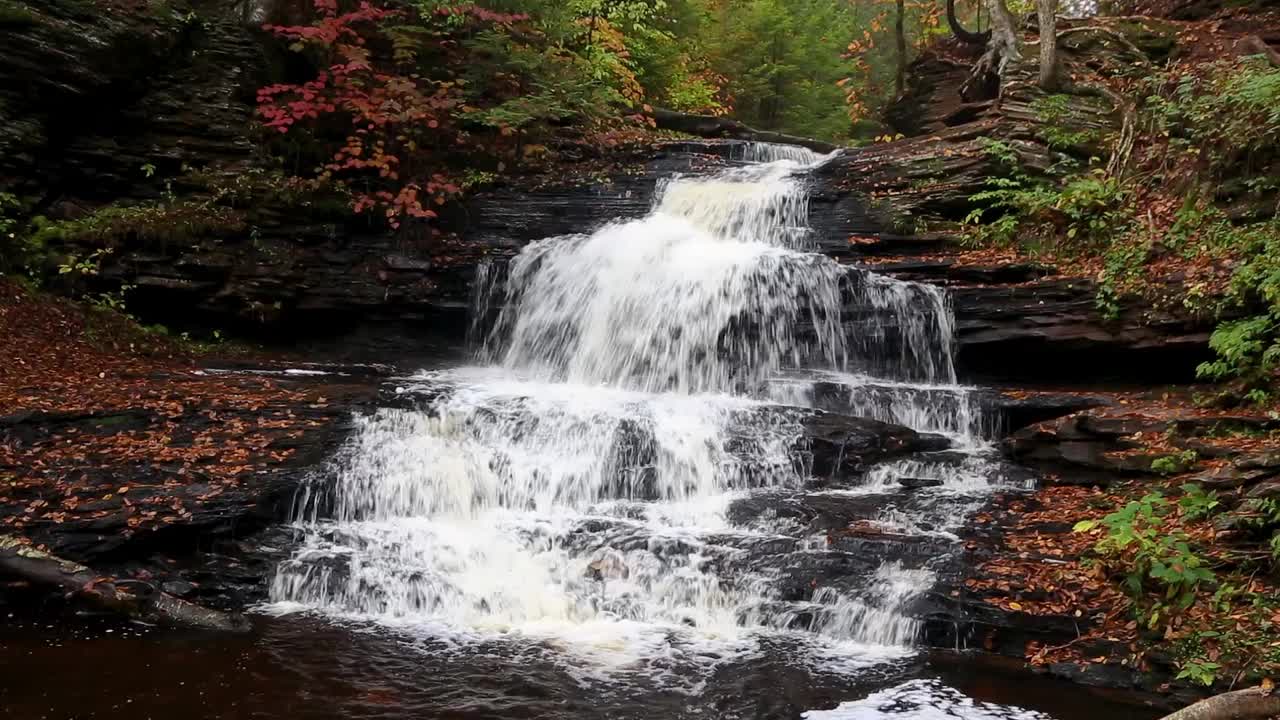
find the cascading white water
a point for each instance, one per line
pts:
(912, 318)
(763, 204)
(700, 296)
(922, 700)
(762, 152)
(576, 491)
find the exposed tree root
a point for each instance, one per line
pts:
(1003, 49)
(1123, 148)
(1139, 56)
(1251, 704)
(962, 34)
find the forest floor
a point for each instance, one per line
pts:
(115, 443)
(1124, 471)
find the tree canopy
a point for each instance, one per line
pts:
(404, 80)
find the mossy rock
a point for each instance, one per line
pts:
(1147, 40)
(15, 15)
(150, 225)
(1157, 38)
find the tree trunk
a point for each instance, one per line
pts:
(717, 127)
(134, 599)
(1252, 704)
(900, 80)
(1005, 46)
(1047, 10)
(773, 104)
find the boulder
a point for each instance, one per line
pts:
(1268, 460)
(1227, 477)
(1268, 490)
(837, 446)
(913, 483)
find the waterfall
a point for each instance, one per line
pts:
(763, 152)
(700, 296)
(636, 384)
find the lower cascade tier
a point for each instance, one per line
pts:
(623, 527)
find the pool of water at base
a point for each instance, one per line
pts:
(300, 668)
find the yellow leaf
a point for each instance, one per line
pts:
(1015, 606)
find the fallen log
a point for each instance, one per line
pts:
(1252, 704)
(132, 598)
(717, 127)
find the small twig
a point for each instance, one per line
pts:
(1064, 646)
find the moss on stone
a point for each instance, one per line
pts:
(1157, 38)
(15, 14)
(148, 224)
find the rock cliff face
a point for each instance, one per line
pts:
(88, 97)
(125, 106)
(96, 107)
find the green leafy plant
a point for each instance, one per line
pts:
(1086, 211)
(1244, 347)
(1174, 464)
(151, 224)
(473, 179)
(1203, 672)
(1161, 573)
(113, 300)
(80, 266)
(9, 206)
(14, 14)
(1265, 513)
(1248, 349)
(18, 250)
(1196, 503)
(1056, 126)
(1228, 114)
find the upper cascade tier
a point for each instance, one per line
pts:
(702, 295)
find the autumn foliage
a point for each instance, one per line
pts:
(400, 94)
(391, 114)
(869, 85)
